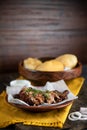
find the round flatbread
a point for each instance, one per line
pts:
(69, 60)
(52, 65)
(31, 63)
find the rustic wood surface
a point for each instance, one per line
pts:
(70, 125)
(39, 28)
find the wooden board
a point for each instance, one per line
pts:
(41, 28)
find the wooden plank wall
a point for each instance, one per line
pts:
(40, 28)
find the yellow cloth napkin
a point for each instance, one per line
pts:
(56, 118)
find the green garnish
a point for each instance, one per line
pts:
(35, 92)
(46, 95)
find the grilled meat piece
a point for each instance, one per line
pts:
(64, 94)
(36, 97)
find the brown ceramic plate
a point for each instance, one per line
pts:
(40, 78)
(40, 108)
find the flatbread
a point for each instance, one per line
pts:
(52, 65)
(31, 63)
(69, 60)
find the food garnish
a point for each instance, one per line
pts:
(35, 97)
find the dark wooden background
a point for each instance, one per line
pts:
(40, 28)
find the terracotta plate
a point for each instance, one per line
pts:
(41, 108)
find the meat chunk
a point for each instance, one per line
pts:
(36, 97)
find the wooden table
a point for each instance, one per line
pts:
(70, 125)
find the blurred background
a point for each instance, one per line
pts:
(41, 28)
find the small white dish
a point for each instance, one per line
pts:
(16, 86)
(20, 83)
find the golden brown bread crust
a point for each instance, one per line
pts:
(56, 64)
(31, 63)
(51, 65)
(69, 60)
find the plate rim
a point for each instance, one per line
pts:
(40, 108)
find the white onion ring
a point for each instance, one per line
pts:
(75, 116)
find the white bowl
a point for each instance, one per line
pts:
(20, 83)
(16, 86)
